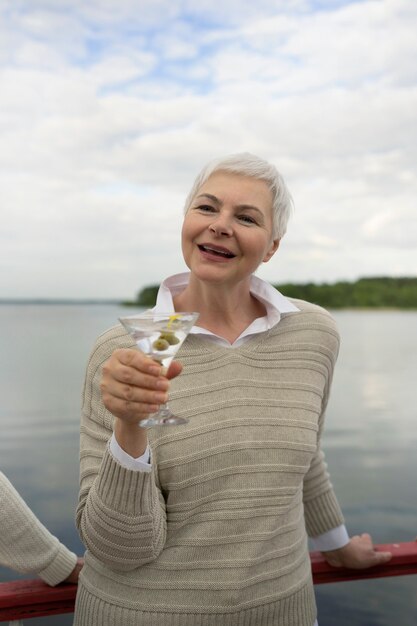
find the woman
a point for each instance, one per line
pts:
(27, 546)
(206, 523)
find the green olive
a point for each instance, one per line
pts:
(170, 337)
(160, 344)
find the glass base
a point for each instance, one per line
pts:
(164, 417)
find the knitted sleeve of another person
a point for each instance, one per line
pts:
(25, 544)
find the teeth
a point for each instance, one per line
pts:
(226, 254)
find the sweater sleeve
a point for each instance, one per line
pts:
(321, 508)
(121, 514)
(25, 544)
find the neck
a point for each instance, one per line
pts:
(224, 310)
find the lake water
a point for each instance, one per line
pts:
(370, 439)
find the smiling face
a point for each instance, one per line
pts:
(227, 231)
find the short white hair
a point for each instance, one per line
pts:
(247, 164)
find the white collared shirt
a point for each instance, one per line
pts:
(275, 303)
(276, 306)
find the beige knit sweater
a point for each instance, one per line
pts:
(216, 533)
(25, 544)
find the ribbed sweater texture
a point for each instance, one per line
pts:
(25, 544)
(216, 533)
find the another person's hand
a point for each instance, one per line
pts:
(133, 385)
(359, 553)
(73, 577)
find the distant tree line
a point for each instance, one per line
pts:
(398, 293)
(388, 292)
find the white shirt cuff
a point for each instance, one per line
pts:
(140, 464)
(332, 540)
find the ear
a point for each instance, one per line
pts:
(273, 248)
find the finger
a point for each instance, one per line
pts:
(378, 558)
(136, 359)
(133, 393)
(383, 557)
(131, 377)
(364, 540)
(129, 411)
(174, 369)
(113, 370)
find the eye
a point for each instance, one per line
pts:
(205, 208)
(247, 219)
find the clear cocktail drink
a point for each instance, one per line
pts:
(160, 336)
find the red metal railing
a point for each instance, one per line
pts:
(23, 599)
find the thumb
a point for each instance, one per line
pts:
(174, 369)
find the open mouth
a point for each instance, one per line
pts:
(221, 252)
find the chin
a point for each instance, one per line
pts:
(210, 274)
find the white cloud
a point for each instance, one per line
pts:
(106, 116)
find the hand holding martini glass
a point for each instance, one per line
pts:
(160, 336)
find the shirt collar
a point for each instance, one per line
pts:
(275, 303)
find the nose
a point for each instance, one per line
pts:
(221, 225)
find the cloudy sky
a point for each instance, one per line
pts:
(109, 108)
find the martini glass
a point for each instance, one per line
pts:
(160, 336)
